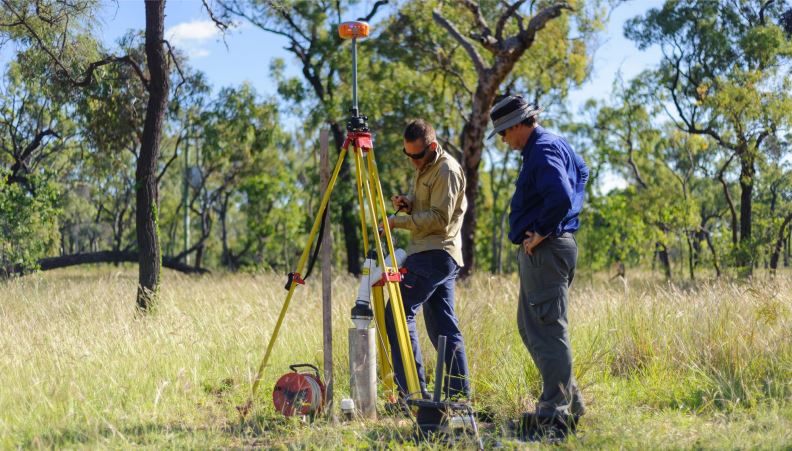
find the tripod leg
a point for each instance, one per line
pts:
(300, 265)
(394, 290)
(394, 294)
(379, 199)
(359, 181)
(383, 343)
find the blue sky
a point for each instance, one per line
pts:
(246, 53)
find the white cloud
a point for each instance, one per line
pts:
(192, 37)
(197, 31)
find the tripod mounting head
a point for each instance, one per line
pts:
(356, 122)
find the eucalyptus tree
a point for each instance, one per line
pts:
(774, 202)
(111, 114)
(670, 173)
(60, 30)
(724, 74)
(236, 140)
(37, 136)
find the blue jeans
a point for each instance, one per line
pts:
(429, 282)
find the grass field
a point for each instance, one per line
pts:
(661, 366)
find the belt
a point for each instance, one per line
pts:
(566, 235)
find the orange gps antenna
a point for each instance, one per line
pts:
(354, 30)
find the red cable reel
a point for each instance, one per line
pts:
(299, 393)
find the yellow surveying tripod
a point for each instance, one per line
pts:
(369, 190)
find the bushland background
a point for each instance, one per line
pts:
(125, 154)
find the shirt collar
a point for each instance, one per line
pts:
(438, 152)
(532, 140)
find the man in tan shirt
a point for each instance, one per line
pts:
(435, 207)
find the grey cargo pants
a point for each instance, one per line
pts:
(545, 278)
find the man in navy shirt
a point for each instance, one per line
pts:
(547, 200)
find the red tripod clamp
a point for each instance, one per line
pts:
(391, 277)
(360, 140)
(294, 277)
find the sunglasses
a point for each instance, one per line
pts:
(419, 155)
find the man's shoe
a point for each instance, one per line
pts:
(546, 428)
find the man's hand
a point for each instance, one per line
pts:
(390, 225)
(532, 239)
(402, 203)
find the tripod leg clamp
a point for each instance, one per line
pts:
(294, 277)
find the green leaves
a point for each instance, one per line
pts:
(28, 223)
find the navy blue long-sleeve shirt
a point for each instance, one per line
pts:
(550, 188)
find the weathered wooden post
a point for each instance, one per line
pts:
(326, 257)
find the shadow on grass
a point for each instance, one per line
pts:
(259, 431)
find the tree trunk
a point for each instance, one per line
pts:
(746, 198)
(146, 188)
(691, 253)
(662, 255)
(774, 257)
(349, 221)
(199, 256)
(732, 209)
(501, 234)
(494, 243)
(714, 253)
(87, 258)
(226, 257)
(472, 144)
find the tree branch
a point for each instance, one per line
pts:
(35, 143)
(765, 5)
(222, 26)
(167, 165)
(88, 76)
(511, 10)
(178, 67)
(463, 41)
(374, 9)
(524, 38)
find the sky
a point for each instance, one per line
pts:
(244, 54)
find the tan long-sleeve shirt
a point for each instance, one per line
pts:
(438, 206)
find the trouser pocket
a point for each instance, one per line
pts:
(547, 304)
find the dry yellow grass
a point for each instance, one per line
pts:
(661, 366)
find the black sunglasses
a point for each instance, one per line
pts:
(419, 155)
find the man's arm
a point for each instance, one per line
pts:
(446, 190)
(554, 188)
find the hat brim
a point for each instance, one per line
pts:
(508, 124)
(511, 122)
